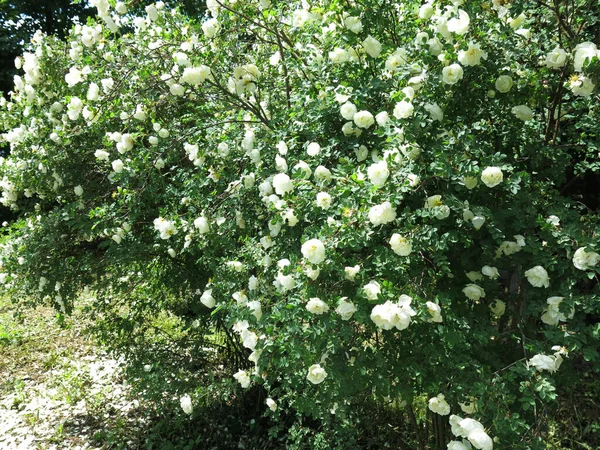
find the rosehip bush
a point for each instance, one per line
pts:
(368, 200)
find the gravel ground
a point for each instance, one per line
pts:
(57, 391)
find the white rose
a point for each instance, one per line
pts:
(313, 149)
(522, 112)
(378, 173)
(457, 445)
(492, 176)
(546, 362)
(372, 290)
(372, 46)
(400, 245)
(498, 307)
(345, 309)
(382, 118)
(478, 222)
(316, 374)
(78, 191)
(504, 83)
(118, 165)
(552, 314)
(210, 28)
(403, 110)
(201, 223)
(351, 272)
(480, 439)
(186, 404)
(583, 52)
(459, 25)
(474, 292)
(474, 276)
(538, 277)
(439, 405)
(282, 184)
(339, 56)
(435, 112)
(353, 24)
(584, 260)
(364, 119)
(435, 311)
(272, 404)
(581, 85)
(348, 110)
(243, 378)
(491, 272)
(452, 74)
(207, 299)
(195, 75)
(472, 56)
(323, 200)
(314, 251)
(317, 306)
(382, 214)
(556, 59)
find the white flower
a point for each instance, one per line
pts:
(403, 110)
(186, 404)
(313, 149)
(339, 55)
(314, 251)
(480, 439)
(240, 297)
(312, 273)
(285, 282)
(378, 173)
(102, 155)
(491, 272)
(504, 83)
(470, 182)
(351, 272)
(364, 119)
(282, 184)
(272, 404)
(166, 228)
(468, 408)
(546, 362)
(473, 292)
(552, 314)
(492, 176)
(474, 276)
(584, 260)
(435, 112)
(439, 405)
(457, 445)
(426, 11)
(372, 46)
(538, 277)
(78, 191)
(498, 307)
(472, 56)
(73, 77)
(382, 118)
(317, 306)
(435, 311)
(396, 60)
(353, 24)
(556, 59)
(520, 240)
(118, 165)
(390, 315)
(243, 378)
(195, 75)
(382, 214)
(400, 245)
(345, 309)
(207, 299)
(452, 74)
(522, 112)
(372, 290)
(581, 85)
(323, 200)
(316, 374)
(583, 52)
(459, 25)
(347, 110)
(210, 28)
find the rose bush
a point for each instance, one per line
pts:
(303, 179)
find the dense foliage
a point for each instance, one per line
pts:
(353, 200)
